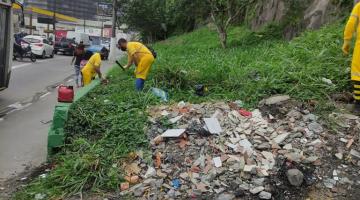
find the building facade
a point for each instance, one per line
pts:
(81, 9)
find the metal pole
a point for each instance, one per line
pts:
(54, 21)
(31, 24)
(114, 19)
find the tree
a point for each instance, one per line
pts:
(157, 19)
(223, 12)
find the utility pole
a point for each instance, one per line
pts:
(114, 19)
(113, 42)
(54, 21)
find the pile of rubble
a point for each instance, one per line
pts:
(222, 151)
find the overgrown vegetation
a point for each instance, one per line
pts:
(109, 123)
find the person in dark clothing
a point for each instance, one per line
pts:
(78, 57)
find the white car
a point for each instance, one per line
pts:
(40, 46)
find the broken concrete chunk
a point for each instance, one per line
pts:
(280, 138)
(151, 172)
(276, 99)
(256, 190)
(339, 156)
(213, 125)
(245, 143)
(225, 196)
(287, 147)
(295, 177)
(173, 133)
(355, 153)
(249, 168)
(264, 195)
(175, 119)
(315, 127)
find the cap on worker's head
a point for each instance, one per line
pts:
(122, 41)
(103, 50)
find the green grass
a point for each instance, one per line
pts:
(109, 123)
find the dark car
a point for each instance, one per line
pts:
(65, 46)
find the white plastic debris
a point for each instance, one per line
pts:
(217, 162)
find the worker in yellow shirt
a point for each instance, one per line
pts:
(141, 56)
(92, 67)
(352, 27)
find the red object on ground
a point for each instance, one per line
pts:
(66, 94)
(245, 113)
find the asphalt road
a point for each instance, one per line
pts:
(26, 110)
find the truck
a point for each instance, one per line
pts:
(79, 37)
(7, 39)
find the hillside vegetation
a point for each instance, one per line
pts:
(109, 123)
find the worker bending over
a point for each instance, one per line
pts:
(93, 67)
(352, 27)
(139, 55)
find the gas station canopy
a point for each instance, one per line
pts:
(41, 11)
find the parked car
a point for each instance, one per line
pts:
(65, 46)
(40, 46)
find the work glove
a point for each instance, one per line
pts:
(346, 47)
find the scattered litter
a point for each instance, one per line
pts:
(217, 162)
(335, 175)
(40, 196)
(245, 113)
(160, 93)
(327, 81)
(239, 103)
(329, 183)
(281, 145)
(176, 184)
(165, 113)
(350, 142)
(181, 104)
(124, 186)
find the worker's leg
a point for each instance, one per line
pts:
(77, 75)
(139, 84)
(143, 68)
(87, 78)
(355, 76)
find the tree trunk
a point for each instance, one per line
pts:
(223, 37)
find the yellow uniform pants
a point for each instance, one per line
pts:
(144, 66)
(87, 78)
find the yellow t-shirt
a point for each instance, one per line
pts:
(93, 63)
(137, 51)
